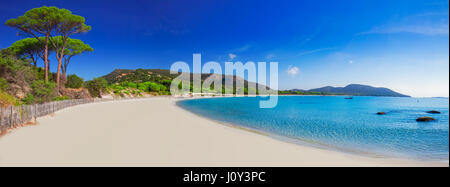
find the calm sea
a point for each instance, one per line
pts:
(349, 125)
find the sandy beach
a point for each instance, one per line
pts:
(156, 132)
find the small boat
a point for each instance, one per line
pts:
(351, 97)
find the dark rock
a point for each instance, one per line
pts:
(433, 112)
(381, 113)
(425, 119)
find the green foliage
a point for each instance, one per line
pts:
(43, 91)
(29, 47)
(138, 88)
(153, 87)
(142, 87)
(6, 99)
(76, 46)
(166, 83)
(13, 69)
(96, 86)
(140, 76)
(39, 20)
(127, 84)
(36, 20)
(3, 84)
(61, 98)
(73, 81)
(9, 61)
(28, 100)
(43, 23)
(72, 47)
(118, 89)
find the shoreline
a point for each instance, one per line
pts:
(157, 132)
(306, 142)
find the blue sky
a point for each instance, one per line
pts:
(402, 45)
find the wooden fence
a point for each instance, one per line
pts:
(14, 116)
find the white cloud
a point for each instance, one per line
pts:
(438, 29)
(426, 23)
(292, 70)
(350, 61)
(232, 56)
(313, 51)
(243, 48)
(270, 56)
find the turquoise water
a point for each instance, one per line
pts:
(345, 124)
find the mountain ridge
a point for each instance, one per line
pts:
(156, 75)
(357, 90)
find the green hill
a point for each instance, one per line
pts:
(162, 76)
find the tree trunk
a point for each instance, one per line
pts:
(32, 59)
(49, 67)
(60, 58)
(46, 58)
(64, 74)
(64, 77)
(64, 68)
(58, 72)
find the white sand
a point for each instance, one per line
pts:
(155, 132)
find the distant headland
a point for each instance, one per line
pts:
(351, 89)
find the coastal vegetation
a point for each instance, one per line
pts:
(50, 26)
(47, 30)
(96, 86)
(73, 81)
(158, 81)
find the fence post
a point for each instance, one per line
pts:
(35, 112)
(11, 117)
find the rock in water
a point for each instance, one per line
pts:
(381, 113)
(433, 112)
(425, 119)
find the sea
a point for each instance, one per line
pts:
(336, 122)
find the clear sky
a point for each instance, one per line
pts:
(401, 44)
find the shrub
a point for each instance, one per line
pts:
(162, 88)
(42, 91)
(166, 83)
(96, 86)
(6, 99)
(29, 99)
(73, 81)
(153, 87)
(3, 84)
(132, 85)
(142, 86)
(17, 70)
(61, 98)
(40, 74)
